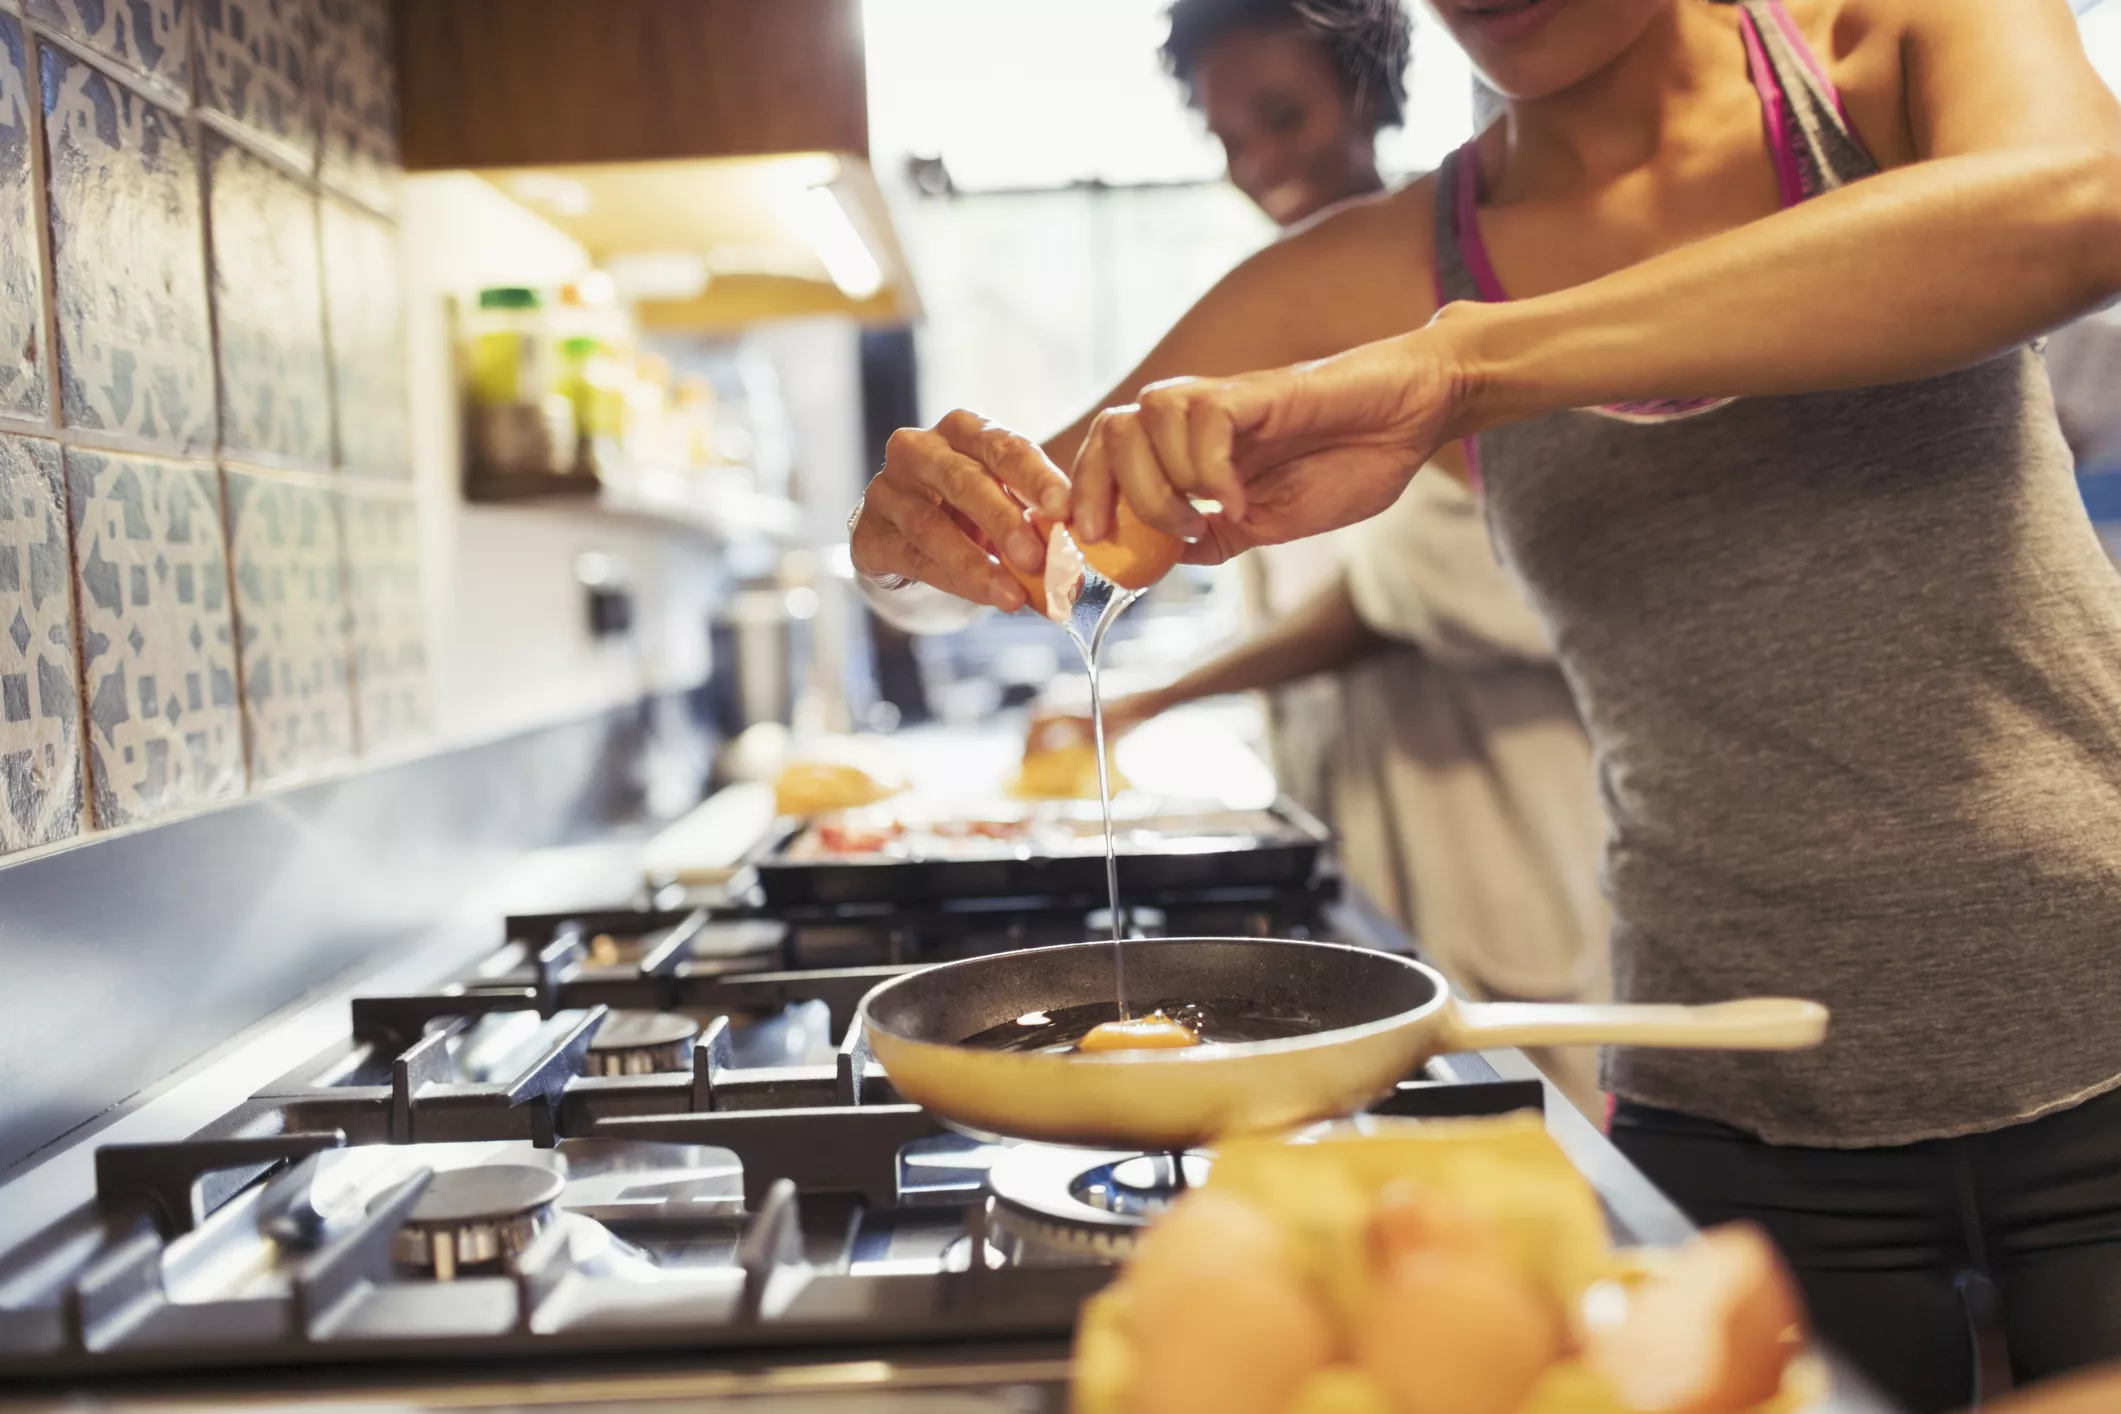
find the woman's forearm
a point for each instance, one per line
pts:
(1322, 635)
(1906, 275)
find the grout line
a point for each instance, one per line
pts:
(320, 118)
(40, 205)
(48, 313)
(333, 412)
(238, 648)
(163, 95)
(90, 439)
(376, 488)
(265, 149)
(274, 461)
(196, 119)
(349, 636)
(346, 196)
(285, 476)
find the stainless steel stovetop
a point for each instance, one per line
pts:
(630, 1159)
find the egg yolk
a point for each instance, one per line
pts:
(1139, 1033)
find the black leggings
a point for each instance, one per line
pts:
(1944, 1269)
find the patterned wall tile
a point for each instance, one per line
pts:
(358, 76)
(157, 642)
(134, 354)
(150, 36)
(268, 295)
(255, 68)
(291, 608)
(40, 714)
(392, 686)
(361, 296)
(23, 386)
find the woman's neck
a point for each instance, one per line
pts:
(1622, 115)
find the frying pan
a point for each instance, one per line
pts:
(1370, 1019)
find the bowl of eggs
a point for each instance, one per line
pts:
(1441, 1267)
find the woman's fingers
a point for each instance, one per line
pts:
(1091, 502)
(1015, 460)
(1211, 437)
(1152, 480)
(1175, 446)
(915, 537)
(927, 462)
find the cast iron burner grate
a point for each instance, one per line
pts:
(726, 1206)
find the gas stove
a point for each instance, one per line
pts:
(625, 1135)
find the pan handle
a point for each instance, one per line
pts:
(1756, 1024)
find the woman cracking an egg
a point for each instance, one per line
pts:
(1413, 700)
(1731, 319)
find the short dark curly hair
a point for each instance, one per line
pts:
(1370, 41)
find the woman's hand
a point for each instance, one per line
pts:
(950, 502)
(1287, 453)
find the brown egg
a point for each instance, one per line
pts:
(1136, 554)
(1456, 1333)
(1139, 1033)
(1408, 1218)
(1218, 1320)
(1713, 1333)
(1054, 588)
(1205, 1233)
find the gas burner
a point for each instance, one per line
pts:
(642, 1043)
(476, 1217)
(1088, 1201)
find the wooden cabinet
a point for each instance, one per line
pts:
(499, 83)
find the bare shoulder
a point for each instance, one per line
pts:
(1850, 26)
(1365, 268)
(1861, 44)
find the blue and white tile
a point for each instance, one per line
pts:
(361, 292)
(358, 77)
(158, 654)
(40, 681)
(393, 688)
(269, 307)
(24, 386)
(129, 261)
(150, 37)
(292, 620)
(254, 67)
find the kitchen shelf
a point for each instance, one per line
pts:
(727, 514)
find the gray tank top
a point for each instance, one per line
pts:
(1851, 663)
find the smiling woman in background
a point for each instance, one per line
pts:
(1732, 313)
(1413, 699)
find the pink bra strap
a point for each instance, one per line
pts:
(1782, 145)
(1810, 60)
(1472, 248)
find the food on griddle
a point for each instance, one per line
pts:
(815, 787)
(1459, 1267)
(1155, 1032)
(852, 837)
(1062, 765)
